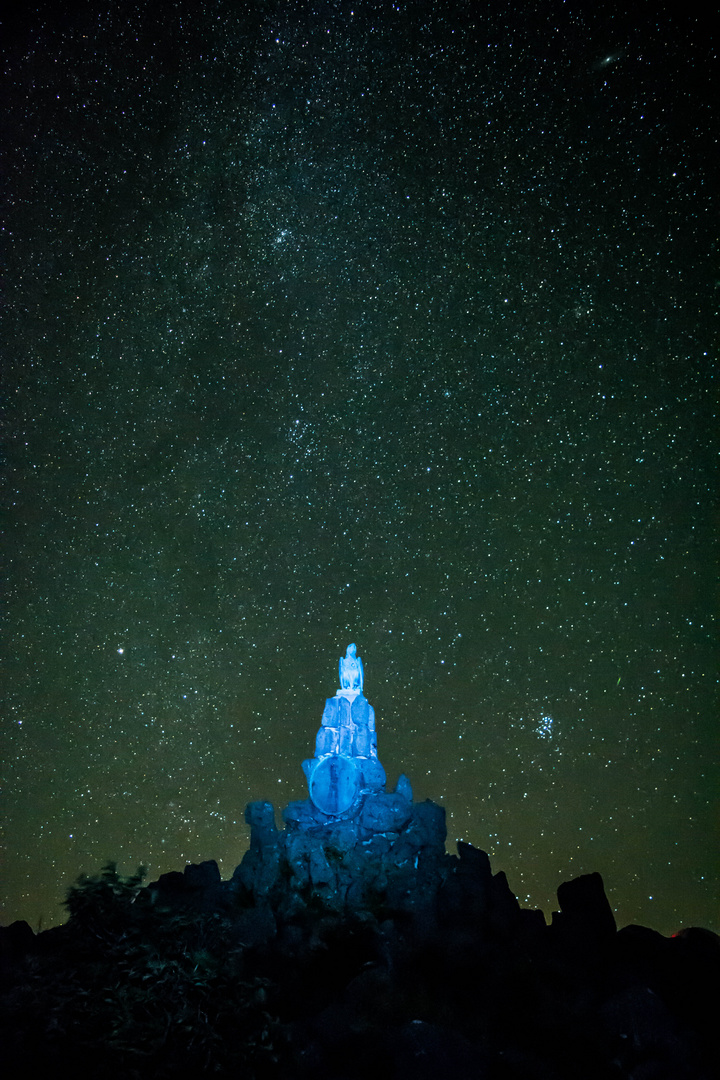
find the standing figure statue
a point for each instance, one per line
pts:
(351, 670)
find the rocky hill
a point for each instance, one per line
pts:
(345, 950)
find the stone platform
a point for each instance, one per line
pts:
(386, 849)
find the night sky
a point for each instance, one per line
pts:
(385, 323)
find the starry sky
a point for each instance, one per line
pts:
(349, 321)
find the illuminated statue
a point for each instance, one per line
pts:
(345, 769)
(351, 670)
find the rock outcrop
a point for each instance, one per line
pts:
(391, 848)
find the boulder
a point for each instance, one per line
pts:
(503, 906)
(404, 788)
(170, 885)
(646, 1039)
(16, 940)
(339, 839)
(259, 871)
(301, 814)
(205, 875)
(585, 918)
(384, 813)
(427, 1051)
(307, 861)
(255, 926)
(428, 827)
(260, 816)
(465, 894)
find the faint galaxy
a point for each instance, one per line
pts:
(385, 323)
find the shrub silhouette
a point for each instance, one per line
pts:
(105, 898)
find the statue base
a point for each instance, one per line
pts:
(391, 845)
(345, 768)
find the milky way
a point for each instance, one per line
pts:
(378, 323)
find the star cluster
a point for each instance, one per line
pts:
(376, 322)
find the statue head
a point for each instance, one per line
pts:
(351, 650)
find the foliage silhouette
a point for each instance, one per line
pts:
(165, 990)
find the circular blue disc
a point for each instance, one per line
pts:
(334, 784)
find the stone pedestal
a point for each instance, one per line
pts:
(345, 768)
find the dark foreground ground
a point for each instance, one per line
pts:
(190, 978)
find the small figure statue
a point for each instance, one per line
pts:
(351, 670)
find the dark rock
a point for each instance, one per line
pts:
(333, 1026)
(647, 1041)
(373, 1000)
(683, 971)
(373, 774)
(200, 887)
(585, 918)
(16, 940)
(255, 926)
(402, 889)
(640, 953)
(308, 864)
(503, 906)
(424, 835)
(385, 813)
(404, 788)
(172, 884)
(340, 839)
(424, 1051)
(204, 887)
(54, 939)
(474, 864)
(465, 895)
(260, 816)
(205, 875)
(532, 921)
(260, 869)
(378, 847)
(301, 814)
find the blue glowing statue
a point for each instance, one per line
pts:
(345, 769)
(351, 670)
